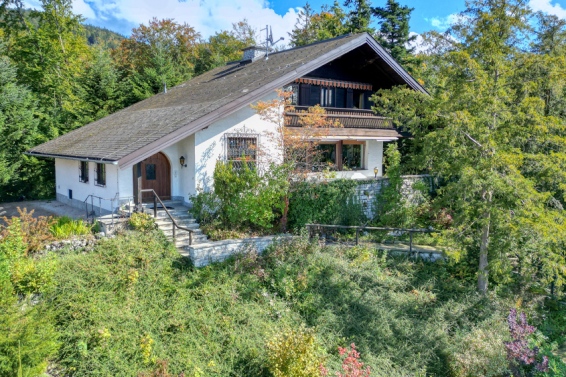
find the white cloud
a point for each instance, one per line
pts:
(82, 8)
(443, 23)
(207, 17)
(418, 44)
(546, 7)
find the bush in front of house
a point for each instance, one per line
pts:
(242, 199)
(334, 202)
(143, 222)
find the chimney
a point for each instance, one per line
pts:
(253, 53)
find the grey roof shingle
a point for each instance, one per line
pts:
(158, 121)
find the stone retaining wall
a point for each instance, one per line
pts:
(206, 253)
(366, 191)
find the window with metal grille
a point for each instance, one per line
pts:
(100, 175)
(241, 148)
(83, 171)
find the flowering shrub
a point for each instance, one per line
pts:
(524, 361)
(351, 364)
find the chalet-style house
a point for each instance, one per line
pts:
(171, 141)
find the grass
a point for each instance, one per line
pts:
(134, 304)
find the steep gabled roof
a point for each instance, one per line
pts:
(138, 131)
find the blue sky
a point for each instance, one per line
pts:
(209, 16)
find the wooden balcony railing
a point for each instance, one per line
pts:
(349, 118)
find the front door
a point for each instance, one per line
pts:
(156, 175)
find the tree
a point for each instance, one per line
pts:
(50, 51)
(224, 47)
(157, 56)
(393, 32)
(312, 27)
(478, 130)
(299, 154)
(20, 175)
(359, 16)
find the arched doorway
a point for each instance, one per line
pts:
(156, 175)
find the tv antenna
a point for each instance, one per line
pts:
(269, 40)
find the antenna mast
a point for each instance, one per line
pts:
(269, 40)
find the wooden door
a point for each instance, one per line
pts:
(156, 174)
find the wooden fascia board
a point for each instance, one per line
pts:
(237, 104)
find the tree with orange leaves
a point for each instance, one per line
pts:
(300, 155)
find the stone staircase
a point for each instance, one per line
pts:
(181, 215)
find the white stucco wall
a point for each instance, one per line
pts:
(67, 178)
(209, 143)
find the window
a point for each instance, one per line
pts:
(100, 175)
(327, 156)
(294, 98)
(241, 148)
(83, 171)
(327, 97)
(340, 156)
(352, 156)
(150, 172)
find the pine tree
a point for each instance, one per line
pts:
(393, 32)
(20, 175)
(486, 132)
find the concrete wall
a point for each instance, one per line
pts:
(67, 178)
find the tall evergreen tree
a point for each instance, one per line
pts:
(393, 32)
(482, 130)
(359, 16)
(20, 175)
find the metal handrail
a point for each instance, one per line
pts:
(100, 199)
(311, 227)
(156, 198)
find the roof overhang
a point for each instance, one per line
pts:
(261, 92)
(76, 158)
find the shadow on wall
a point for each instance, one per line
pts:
(202, 175)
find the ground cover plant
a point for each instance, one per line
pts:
(134, 307)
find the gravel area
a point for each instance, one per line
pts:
(41, 208)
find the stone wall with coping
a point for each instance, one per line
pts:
(206, 253)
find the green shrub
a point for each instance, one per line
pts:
(481, 351)
(205, 207)
(35, 231)
(65, 228)
(27, 275)
(242, 198)
(333, 202)
(143, 222)
(295, 353)
(27, 335)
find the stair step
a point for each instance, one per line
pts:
(166, 222)
(169, 229)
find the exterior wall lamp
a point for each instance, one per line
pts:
(182, 161)
(375, 171)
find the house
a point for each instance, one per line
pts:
(170, 142)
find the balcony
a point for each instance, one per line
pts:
(348, 118)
